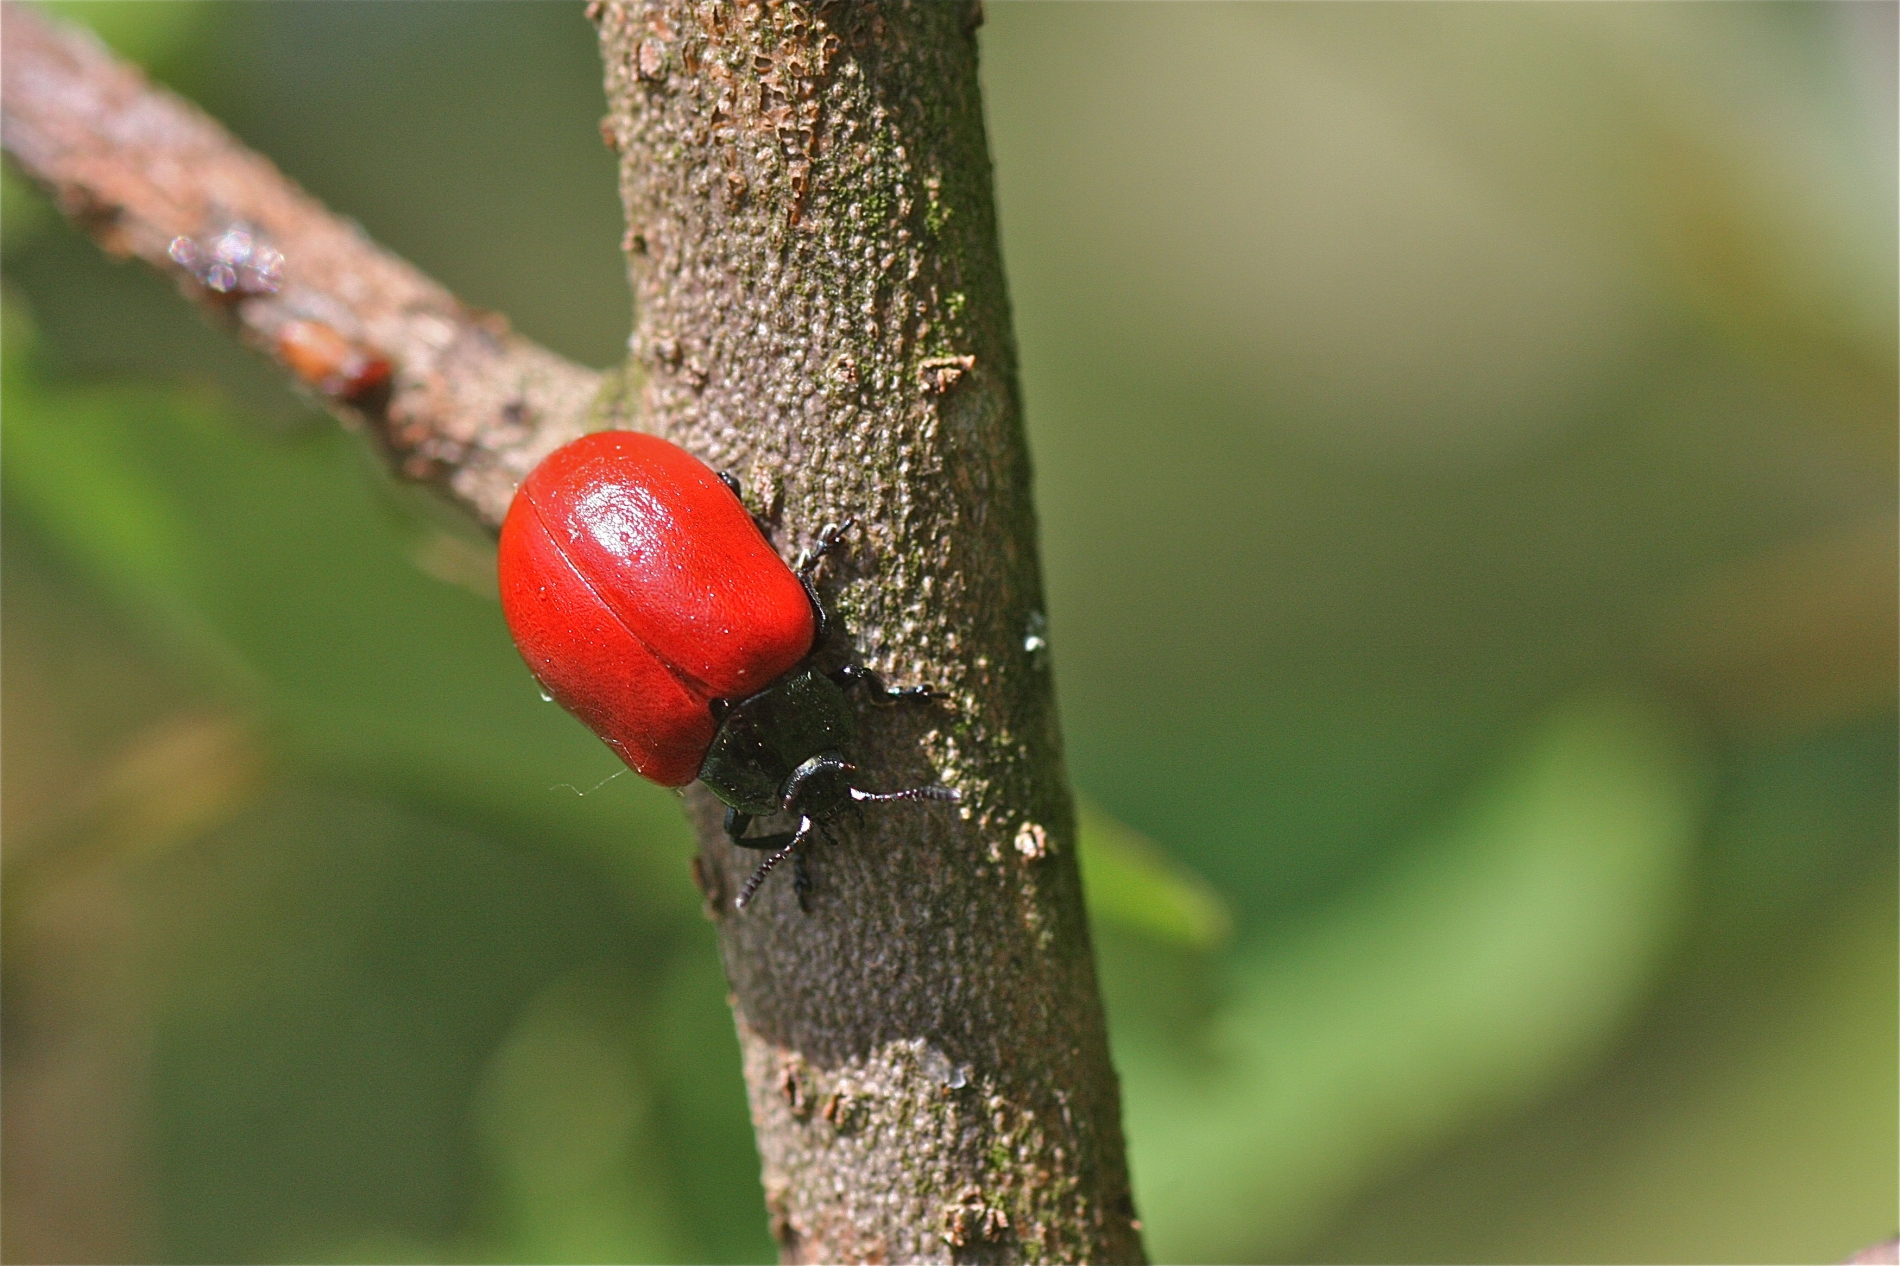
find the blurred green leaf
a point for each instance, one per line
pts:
(89, 493)
(1496, 956)
(1751, 1122)
(24, 211)
(1132, 883)
(338, 971)
(67, 467)
(564, 1116)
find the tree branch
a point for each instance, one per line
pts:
(820, 307)
(455, 397)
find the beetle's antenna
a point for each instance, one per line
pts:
(912, 793)
(765, 867)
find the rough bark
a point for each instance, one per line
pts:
(820, 309)
(455, 397)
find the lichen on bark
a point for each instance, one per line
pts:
(820, 309)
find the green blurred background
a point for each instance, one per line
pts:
(1465, 441)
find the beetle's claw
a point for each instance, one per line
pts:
(828, 537)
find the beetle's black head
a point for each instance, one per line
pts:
(765, 740)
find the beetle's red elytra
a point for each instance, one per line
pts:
(639, 590)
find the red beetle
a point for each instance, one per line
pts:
(648, 603)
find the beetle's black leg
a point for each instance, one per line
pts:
(765, 843)
(765, 868)
(736, 824)
(858, 675)
(828, 538)
(801, 881)
(821, 618)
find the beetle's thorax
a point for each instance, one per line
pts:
(765, 739)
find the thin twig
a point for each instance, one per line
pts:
(456, 398)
